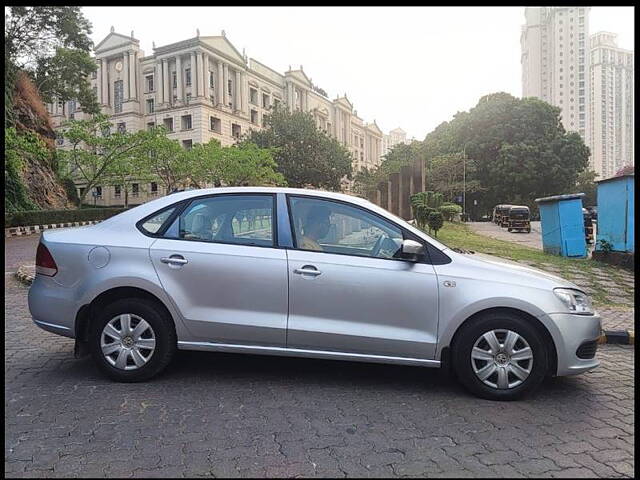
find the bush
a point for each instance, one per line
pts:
(435, 222)
(46, 217)
(422, 215)
(449, 210)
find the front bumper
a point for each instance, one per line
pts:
(574, 330)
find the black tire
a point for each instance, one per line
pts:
(160, 322)
(472, 330)
(508, 230)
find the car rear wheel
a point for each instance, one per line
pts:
(132, 340)
(500, 356)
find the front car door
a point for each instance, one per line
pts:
(219, 263)
(349, 292)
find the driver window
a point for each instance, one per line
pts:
(334, 227)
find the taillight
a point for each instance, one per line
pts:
(45, 264)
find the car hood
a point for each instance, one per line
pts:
(494, 268)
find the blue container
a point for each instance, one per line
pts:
(615, 213)
(563, 225)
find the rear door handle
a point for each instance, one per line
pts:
(174, 260)
(308, 270)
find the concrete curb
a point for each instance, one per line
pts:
(31, 229)
(26, 273)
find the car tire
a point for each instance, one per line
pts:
(159, 332)
(469, 369)
(508, 230)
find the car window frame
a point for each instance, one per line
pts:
(406, 234)
(184, 205)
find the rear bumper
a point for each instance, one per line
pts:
(575, 330)
(52, 306)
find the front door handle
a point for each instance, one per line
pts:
(174, 260)
(308, 270)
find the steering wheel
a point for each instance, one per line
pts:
(377, 246)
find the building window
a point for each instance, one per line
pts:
(94, 74)
(175, 79)
(154, 188)
(265, 100)
(264, 120)
(117, 96)
(168, 124)
(98, 191)
(254, 117)
(72, 109)
(186, 122)
(236, 130)
(187, 73)
(150, 126)
(122, 127)
(188, 98)
(150, 105)
(117, 191)
(211, 80)
(187, 144)
(229, 88)
(276, 102)
(215, 124)
(149, 83)
(135, 189)
(253, 96)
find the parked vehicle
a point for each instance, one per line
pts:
(293, 272)
(519, 218)
(499, 212)
(588, 226)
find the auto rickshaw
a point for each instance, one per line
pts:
(519, 218)
(499, 212)
(588, 226)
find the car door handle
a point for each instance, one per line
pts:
(308, 270)
(174, 260)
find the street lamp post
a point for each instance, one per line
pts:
(464, 183)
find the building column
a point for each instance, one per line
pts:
(200, 74)
(245, 93)
(99, 82)
(125, 77)
(238, 92)
(205, 75)
(132, 76)
(220, 85)
(105, 81)
(180, 93)
(165, 81)
(225, 81)
(194, 74)
(158, 85)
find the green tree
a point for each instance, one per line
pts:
(164, 159)
(586, 184)
(435, 222)
(517, 149)
(238, 165)
(96, 154)
(304, 154)
(51, 44)
(367, 180)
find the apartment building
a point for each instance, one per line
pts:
(555, 61)
(203, 88)
(611, 105)
(395, 137)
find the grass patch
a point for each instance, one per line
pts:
(460, 235)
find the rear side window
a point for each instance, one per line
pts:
(153, 224)
(236, 219)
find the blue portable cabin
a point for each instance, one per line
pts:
(563, 225)
(615, 213)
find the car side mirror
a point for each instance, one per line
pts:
(411, 250)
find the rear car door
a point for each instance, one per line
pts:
(219, 263)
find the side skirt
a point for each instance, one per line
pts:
(298, 352)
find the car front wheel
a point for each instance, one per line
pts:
(500, 356)
(132, 340)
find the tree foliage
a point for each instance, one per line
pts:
(51, 44)
(586, 184)
(305, 156)
(435, 222)
(517, 149)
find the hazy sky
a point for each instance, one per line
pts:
(409, 67)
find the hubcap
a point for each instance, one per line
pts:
(128, 341)
(501, 359)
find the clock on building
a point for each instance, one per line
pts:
(119, 66)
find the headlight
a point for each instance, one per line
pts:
(575, 301)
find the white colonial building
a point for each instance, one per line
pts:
(203, 88)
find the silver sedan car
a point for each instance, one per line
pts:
(283, 271)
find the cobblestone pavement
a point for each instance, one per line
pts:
(243, 416)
